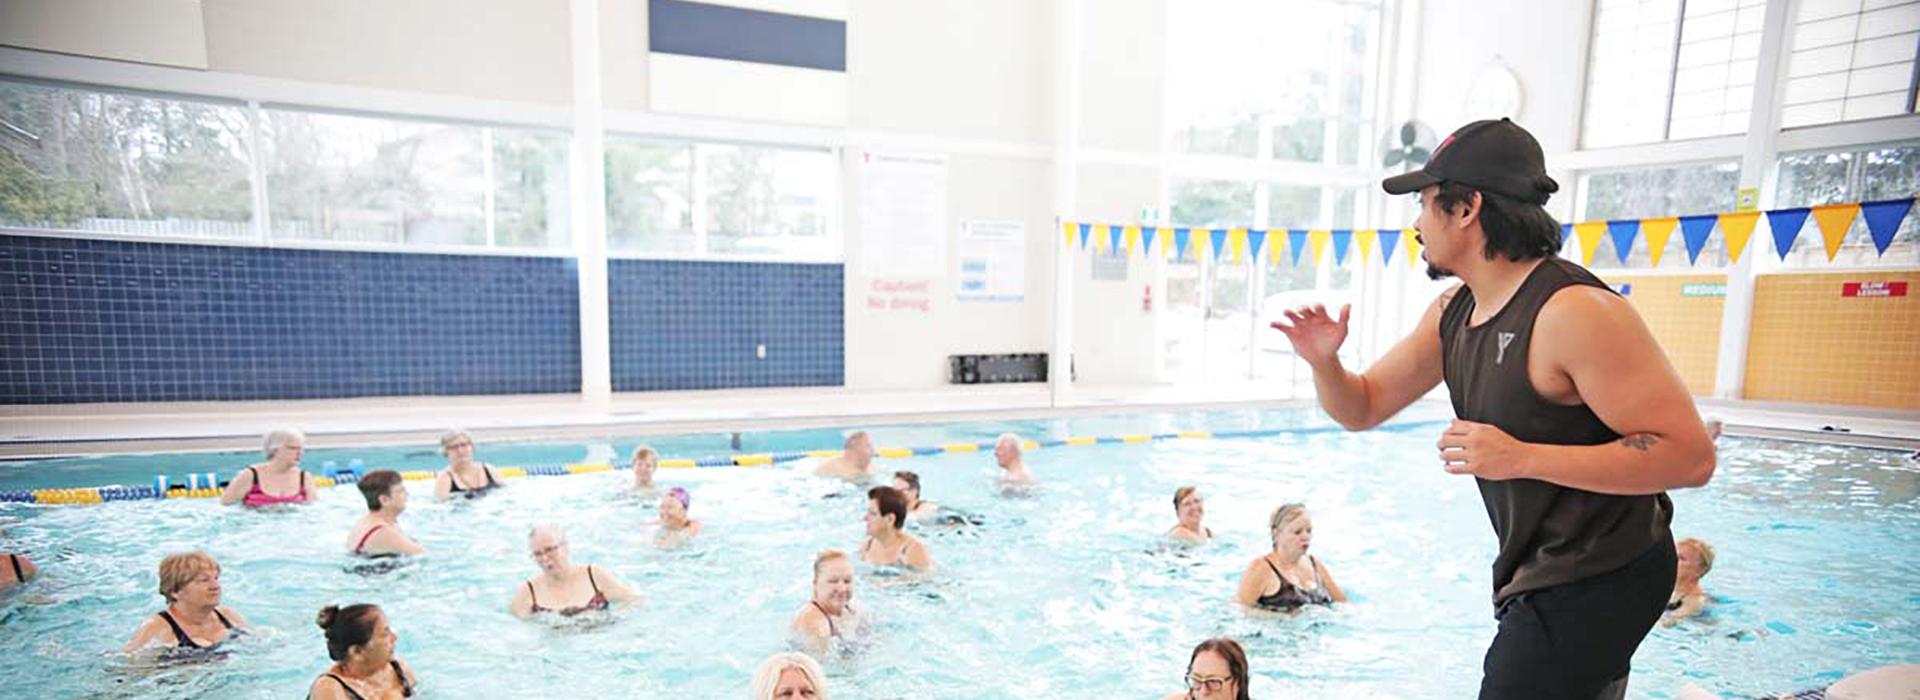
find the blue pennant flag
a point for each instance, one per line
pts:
(1146, 240)
(1113, 239)
(1181, 237)
(1695, 230)
(1342, 237)
(1883, 219)
(1566, 231)
(1219, 241)
(1255, 238)
(1296, 243)
(1623, 232)
(1387, 240)
(1786, 225)
(1086, 231)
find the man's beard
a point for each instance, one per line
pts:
(1437, 273)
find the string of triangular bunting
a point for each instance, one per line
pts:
(1882, 218)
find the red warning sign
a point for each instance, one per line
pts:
(1873, 289)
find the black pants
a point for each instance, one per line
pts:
(1576, 640)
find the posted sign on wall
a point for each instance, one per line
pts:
(1873, 289)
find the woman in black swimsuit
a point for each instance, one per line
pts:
(1287, 577)
(463, 477)
(193, 618)
(1190, 507)
(567, 589)
(364, 667)
(17, 571)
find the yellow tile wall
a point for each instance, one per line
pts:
(1687, 328)
(1812, 345)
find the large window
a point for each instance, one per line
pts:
(1681, 190)
(1288, 81)
(1835, 177)
(76, 160)
(1667, 69)
(107, 162)
(678, 198)
(1851, 59)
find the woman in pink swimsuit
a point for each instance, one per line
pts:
(276, 481)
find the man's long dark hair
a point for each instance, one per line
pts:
(1515, 230)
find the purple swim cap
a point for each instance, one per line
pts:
(680, 495)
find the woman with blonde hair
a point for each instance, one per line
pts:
(194, 617)
(1688, 599)
(645, 462)
(828, 619)
(1287, 577)
(463, 476)
(789, 676)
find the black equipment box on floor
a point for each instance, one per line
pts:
(997, 369)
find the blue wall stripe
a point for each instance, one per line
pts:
(739, 34)
(697, 325)
(85, 321)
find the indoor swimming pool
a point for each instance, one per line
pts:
(1064, 592)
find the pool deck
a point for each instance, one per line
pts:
(46, 431)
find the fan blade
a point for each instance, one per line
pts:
(1395, 156)
(1408, 134)
(1418, 154)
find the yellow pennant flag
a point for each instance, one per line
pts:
(1133, 239)
(1069, 228)
(1738, 227)
(1834, 220)
(1237, 242)
(1099, 235)
(1590, 233)
(1657, 231)
(1365, 238)
(1164, 236)
(1317, 243)
(1410, 242)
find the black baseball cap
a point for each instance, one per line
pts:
(1494, 155)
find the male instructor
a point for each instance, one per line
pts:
(1567, 414)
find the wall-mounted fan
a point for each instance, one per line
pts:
(1408, 146)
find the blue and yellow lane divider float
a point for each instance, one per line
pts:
(209, 485)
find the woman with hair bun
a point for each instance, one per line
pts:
(361, 646)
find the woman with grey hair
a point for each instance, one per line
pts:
(463, 476)
(276, 481)
(562, 587)
(1287, 577)
(789, 676)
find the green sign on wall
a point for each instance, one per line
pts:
(1703, 289)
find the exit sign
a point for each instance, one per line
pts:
(1873, 289)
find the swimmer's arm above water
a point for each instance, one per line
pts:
(1600, 345)
(1361, 401)
(616, 591)
(237, 488)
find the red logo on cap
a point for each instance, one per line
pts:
(1443, 144)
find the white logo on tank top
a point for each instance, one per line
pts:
(1505, 338)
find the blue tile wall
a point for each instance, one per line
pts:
(695, 325)
(94, 320)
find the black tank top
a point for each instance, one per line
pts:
(1549, 534)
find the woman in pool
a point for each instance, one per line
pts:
(887, 544)
(1287, 577)
(463, 476)
(276, 481)
(1216, 671)
(789, 676)
(364, 667)
(378, 533)
(908, 484)
(675, 526)
(828, 619)
(1190, 507)
(194, 617)
(566, 589)
(1688, 599)
(645, 461)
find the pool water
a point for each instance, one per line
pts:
(1066, 592)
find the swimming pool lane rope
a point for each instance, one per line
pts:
(209, 485)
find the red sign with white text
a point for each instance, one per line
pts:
(1873, 289)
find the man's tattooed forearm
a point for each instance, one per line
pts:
(1639, 441)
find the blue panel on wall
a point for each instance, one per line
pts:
(698, 325)
(93, 320)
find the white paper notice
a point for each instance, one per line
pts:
(903, 215)
(993, 261)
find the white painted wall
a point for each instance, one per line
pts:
(971, 68)
(1114, 337)
(161, 32)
